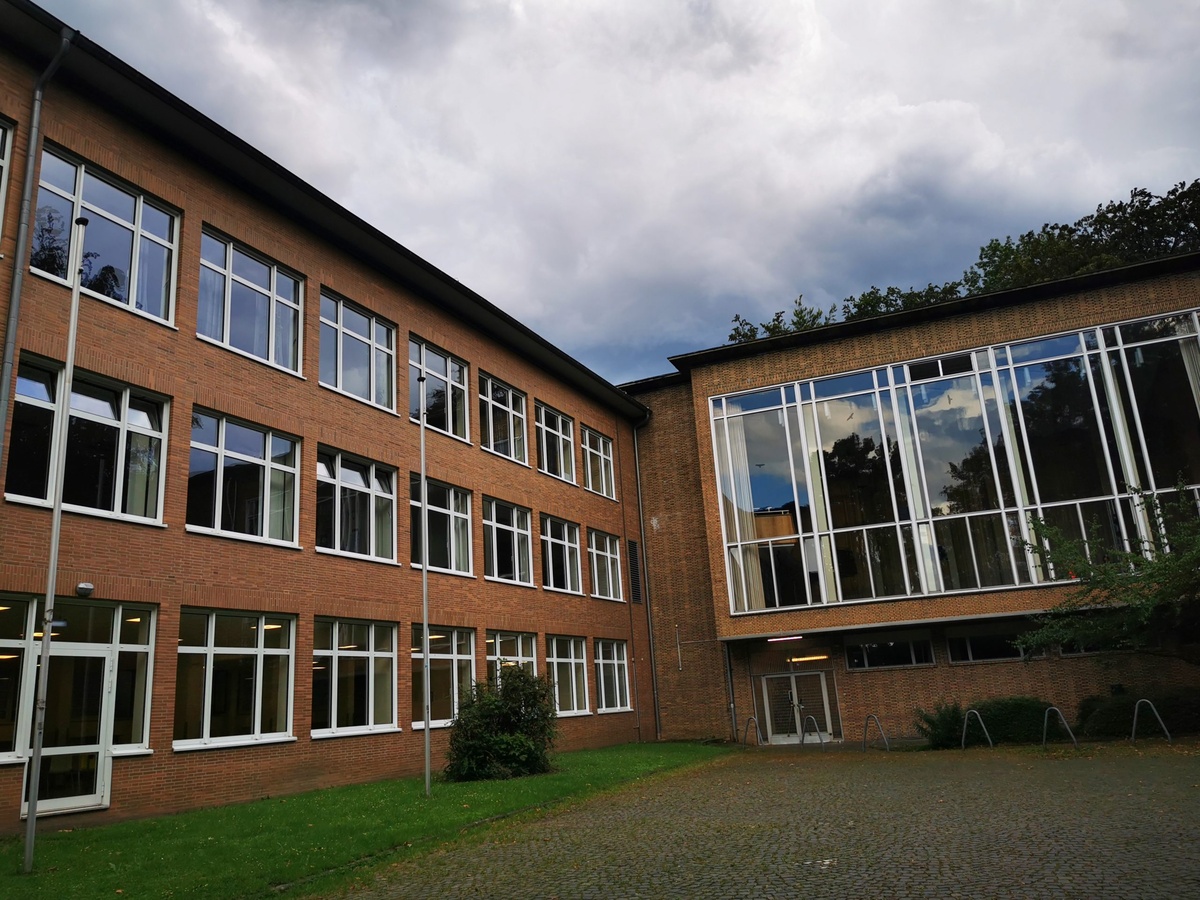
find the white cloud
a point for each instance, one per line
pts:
(624, 176)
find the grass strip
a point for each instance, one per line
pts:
(254, 849)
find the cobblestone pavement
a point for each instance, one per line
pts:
(1107, 822)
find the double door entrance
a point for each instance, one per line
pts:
(789, 701)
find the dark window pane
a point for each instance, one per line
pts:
(249, 321)
(233, 689)
(29, 451)
(329, 355)
(107, 258)
(153, 279)
(52, 234)
(202, 488)
(326, 509)
(89, 477)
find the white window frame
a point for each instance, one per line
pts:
(266, 621)
(29, 647)
(598, 463)
(380, 343)
(561, 537)
(555, 430)
(604, 558)
(6, 135)
(524, 657)
(459, 515)
(335, 652)
(81, 207)
(520, 533)
(612, 661)
(456, 386)
(267, 462)
(331, 470)
(570, 652)
(455, 657)
(123, 426)
(513, 411)
(277, 301)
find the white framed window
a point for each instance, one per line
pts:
(445, 388)
(5, 163)
(604, 559)
(356, 505)
(555, 443)
(889, 650)
(560, 555)
(115, 444)
(449, 526)
(354, 677)
(612, 676)
(501, 419)
(598, 463)
(506, 649)
(451, 672)
(507, 542)
(129, 248)
(358, 352)
(233, 682)
(566, 658)
(125, 631)
(248, 303)
(242, 479)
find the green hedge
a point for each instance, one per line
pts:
(1107, 717)
(1015, 720)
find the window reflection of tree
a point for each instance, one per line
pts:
(1062, 431)
(856, 479)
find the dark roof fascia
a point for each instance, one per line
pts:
(95, 72)
(1171, 265)
(655, 383)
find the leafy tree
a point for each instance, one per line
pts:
(1146, 598)
(504, 728)
(1118, 233)
(802, 319)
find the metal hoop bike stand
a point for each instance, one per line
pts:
(979, 719)
(866, 724)
(1137, 706)
(1061, 718)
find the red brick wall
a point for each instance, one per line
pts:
(688, 567)
(170, 567)
(894, 694)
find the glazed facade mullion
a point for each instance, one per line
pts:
(921, 478)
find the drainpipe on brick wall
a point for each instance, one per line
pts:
(645, 564)
(21, 253)
(729, 687)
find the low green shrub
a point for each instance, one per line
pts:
(504, 728)
(1108, 717)
(942, 727)
(1016, 720)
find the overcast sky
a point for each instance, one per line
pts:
(625, 175)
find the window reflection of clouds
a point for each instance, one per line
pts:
(950, 429)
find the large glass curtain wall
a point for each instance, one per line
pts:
(921, 478)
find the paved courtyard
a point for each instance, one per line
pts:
(1108, 822)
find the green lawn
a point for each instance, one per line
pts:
(307, 842)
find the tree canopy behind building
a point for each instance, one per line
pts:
(1118, 233)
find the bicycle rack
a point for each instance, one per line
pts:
(1061, 718)
(816, 730)
(757, 731)
(866, 724)
(979, 719)
(1136, 707)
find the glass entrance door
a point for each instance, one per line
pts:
(789, 700)
(76, 757)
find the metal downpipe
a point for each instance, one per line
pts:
(21, 254)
